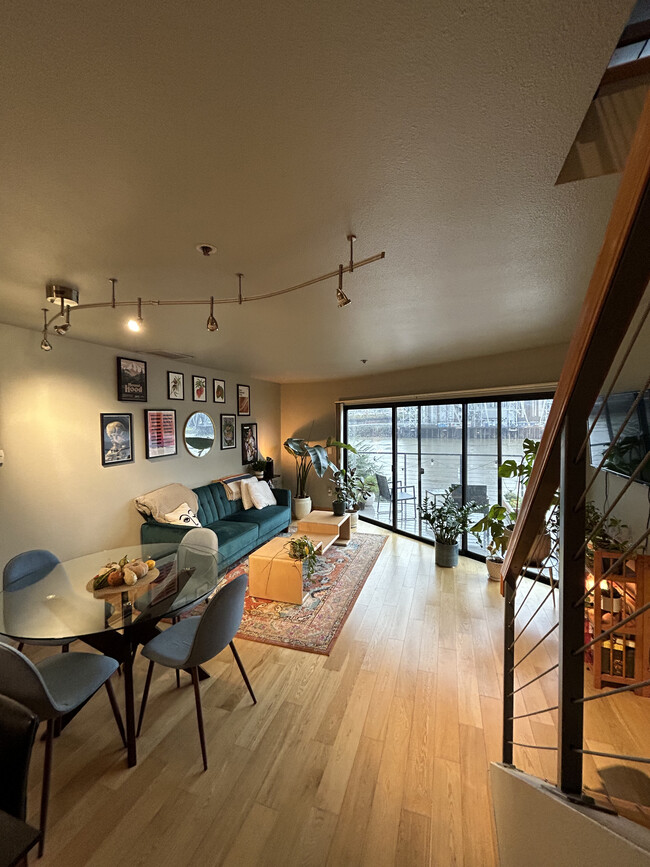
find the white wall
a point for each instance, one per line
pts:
(54, 492)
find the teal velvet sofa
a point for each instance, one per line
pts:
(239, 530)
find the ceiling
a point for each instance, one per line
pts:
(433, 130)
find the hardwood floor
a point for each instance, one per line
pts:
(376, 755)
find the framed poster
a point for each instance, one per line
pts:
(219, 390)
(160, 432)
(131, 379)
(248, 443)
(243, 400)
(228, 431)
(175, 385)
(117, 438)
(199, 391)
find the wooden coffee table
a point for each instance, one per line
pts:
(273, 574)
(317, 524)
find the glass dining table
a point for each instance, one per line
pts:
(60, 603)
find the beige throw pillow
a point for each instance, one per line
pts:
(262, 495)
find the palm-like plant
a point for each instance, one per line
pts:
(310, 457)
(449, 519)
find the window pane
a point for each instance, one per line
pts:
(408, 468)
(442, 449)
(370, 431)
(482, 463)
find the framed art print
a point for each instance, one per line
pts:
(228, 431)
(243, 400)
(117, 438)
(219, 390)
(131, 379)
(248, 443)
(160, 432)
(199, 391)
(175, 385)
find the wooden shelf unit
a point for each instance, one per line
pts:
(623, 657)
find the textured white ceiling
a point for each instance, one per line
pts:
(433, 130)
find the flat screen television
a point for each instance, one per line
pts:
(634, 441)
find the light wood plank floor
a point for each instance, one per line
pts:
(375, 755)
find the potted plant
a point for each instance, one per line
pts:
(495, 523)
(339, 493)
(257, 467)
(302, 548)
(448, 520)
(307, 457)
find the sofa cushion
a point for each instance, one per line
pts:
(236, 538)
(271, 519)
(262, 495)
(208, 510)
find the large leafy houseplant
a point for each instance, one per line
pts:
(448, 519)
(310, 457)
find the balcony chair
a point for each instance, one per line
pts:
(386, 496)
(32, 566)
(195, 640)
(57, 686)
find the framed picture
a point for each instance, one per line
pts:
(248, 443)
(117, 438)
(175, 385)
(160, 432)
(243, 400)
(131, 379)
(228, 431)
(199, 391)
(219, 390)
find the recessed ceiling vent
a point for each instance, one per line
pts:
(172, 356)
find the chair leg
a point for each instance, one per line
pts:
(45, 792)
(243, 671)
(65, 648)
(21, 644)
(116, 710)
(199, 715)
(145, 696)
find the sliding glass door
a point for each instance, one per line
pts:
(411, 452)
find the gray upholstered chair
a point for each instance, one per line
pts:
(195, 640)
(32, 566)
(56, 686)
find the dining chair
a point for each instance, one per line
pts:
(386, 495)
(32, 566)
(195, 640)
(56, 686)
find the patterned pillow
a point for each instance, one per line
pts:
(184, 516)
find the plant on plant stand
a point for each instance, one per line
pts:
(257, 467)
(338, 492)
(302, 548)
(494, 523)
(309, 457)
(448, 520)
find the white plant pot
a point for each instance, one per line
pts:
(301, 507)
(354, 519)
(494, 569)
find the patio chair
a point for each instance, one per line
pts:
(386, 496)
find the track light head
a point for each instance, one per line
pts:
(45, 343)
(341, 297)
(212, 324)
(135, 325)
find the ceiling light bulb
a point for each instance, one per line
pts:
(133, 325)
(45, 344)
(341, 297)
(212, 324)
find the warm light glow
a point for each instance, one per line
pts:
(604, 586)
(133, 325)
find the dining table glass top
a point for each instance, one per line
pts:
(61, 603)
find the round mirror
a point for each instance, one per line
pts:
(199, 434)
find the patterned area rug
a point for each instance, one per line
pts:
(333, 589)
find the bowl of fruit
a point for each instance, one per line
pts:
(119, 576)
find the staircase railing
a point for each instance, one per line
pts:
(612, 303)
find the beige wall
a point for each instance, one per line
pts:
(54, 492)
(308, 409)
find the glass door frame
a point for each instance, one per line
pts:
(464, 402)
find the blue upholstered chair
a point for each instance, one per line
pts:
(56, 686)
(32, 566)
(195, 640)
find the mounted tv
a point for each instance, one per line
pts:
(633, 442)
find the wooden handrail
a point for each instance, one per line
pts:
(619, 279)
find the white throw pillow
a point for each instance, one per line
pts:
(183, 516)
(262, 495)
(246, 499)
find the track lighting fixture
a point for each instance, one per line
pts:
(135, 325)
(341, 297)
(67, 297)
(212, 325)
